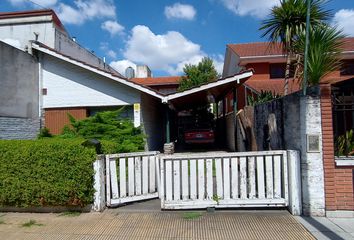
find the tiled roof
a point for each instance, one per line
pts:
(333, 80)
(274, 86)
(266, 49)
(33, 13)
(256, 49)
(157, 81)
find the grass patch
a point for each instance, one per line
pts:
(191, 215)
(70, 214)
(2, 221)
(31, 223)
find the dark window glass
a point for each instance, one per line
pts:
(277, 70)
(347, 67)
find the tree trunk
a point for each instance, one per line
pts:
(287, 74)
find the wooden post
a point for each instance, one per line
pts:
(235, 112)
(99, 202)
(168, 138)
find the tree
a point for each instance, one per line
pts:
(199, 74)
(323, 55)
(287, 21)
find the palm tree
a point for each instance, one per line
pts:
(287, 21)
(323, 55)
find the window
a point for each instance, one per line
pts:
(277, 70)
(343, 113)
(347, 68)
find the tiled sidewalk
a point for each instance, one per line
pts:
(153, 225)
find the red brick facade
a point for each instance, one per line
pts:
(338, 180)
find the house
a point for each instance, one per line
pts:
(46, 74)
(47, 77)
(334, 118)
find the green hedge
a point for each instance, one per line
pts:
(52, 172)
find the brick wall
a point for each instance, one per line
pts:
(18, 128)
(57, 118)
(338, 180)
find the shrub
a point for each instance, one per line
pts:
(51, 172)
(44, 133)
(107, 126)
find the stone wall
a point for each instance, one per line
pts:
(18, 128)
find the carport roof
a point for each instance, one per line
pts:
(201, 95)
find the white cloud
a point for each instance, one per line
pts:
(112, 54)
(113, 27)
(43, 3)
(86, 10)
(162, 52)
(255, 8)
(104, 46)
(344, 19)
(122, 65)
(181, 11)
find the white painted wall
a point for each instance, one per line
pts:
(231, 63)
(313, 195)
(25, 32)
(71, 86)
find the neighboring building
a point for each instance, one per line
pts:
(268, 63)
(18, 28)
(336, 109)
(19, 91)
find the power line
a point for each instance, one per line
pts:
(31, 1)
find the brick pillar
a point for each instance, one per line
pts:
(338, 180)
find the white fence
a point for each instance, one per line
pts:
(131, 177)
(201, 180)
(248, 179)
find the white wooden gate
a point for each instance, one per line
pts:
(221, 180)
(132, 177)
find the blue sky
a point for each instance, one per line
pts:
(165, 35)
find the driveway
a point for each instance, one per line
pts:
(129, 224)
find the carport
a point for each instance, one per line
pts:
(212, 92)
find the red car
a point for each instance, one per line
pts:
(199, 136)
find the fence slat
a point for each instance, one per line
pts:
(122, 177)
(114, 179)
(193, 179)
(152, 181)
(226, 178)
(168, 185)
(243, 178)
(145, 174)
(269, 176)
(184, 179)
(176, 181)
(108, 182)
(209, 178)
(201, 179)
(234, 178)
(218, 171)
(277, 176)
(137, 175)
(260, 177)
(251, 178)
(158, 176)
(131, 188)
